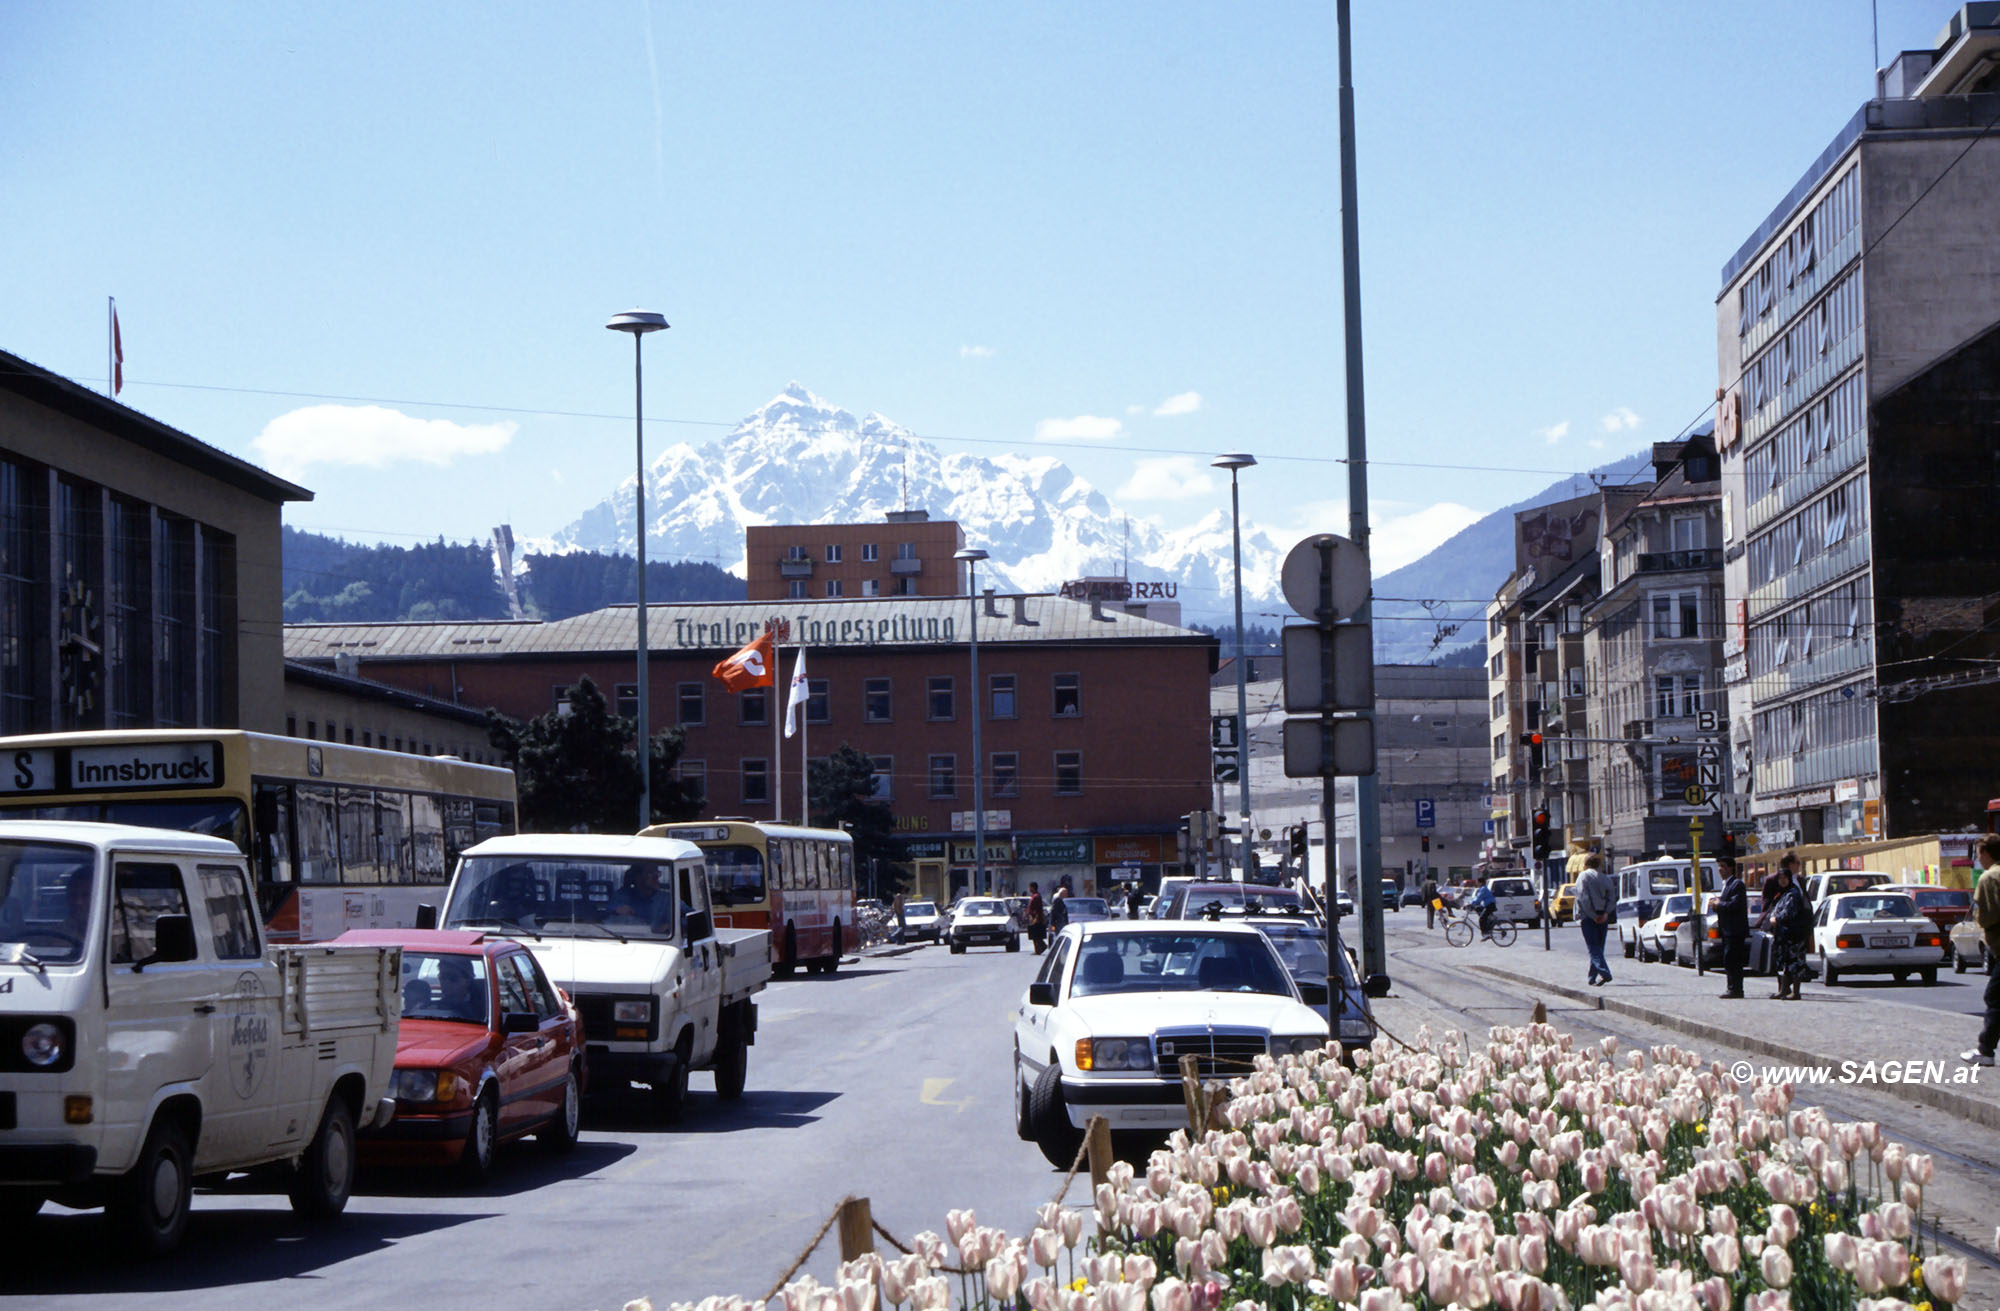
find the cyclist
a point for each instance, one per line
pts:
(1482, 901)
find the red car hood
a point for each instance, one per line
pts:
(439, 1043)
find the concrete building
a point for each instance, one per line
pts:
(1653, 653)
(905, 555)
(1857, 352)
(336, 705)
(139, 568)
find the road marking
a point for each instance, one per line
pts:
(932, 1095)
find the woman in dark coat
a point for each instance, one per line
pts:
(1789, 920)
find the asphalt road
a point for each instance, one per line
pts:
(888, 1080)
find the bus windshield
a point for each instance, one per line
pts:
(563, 897)
(735, 875)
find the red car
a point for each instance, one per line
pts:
(488, 1050)
(1944, 906)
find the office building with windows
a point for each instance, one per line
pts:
(907, 554)
(1858, 337)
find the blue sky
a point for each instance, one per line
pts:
(1104, 231)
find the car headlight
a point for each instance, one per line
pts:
(424, 1086)
(1282, 1045)
(1114, 1054)
(1356, 1028)
(42, 1044)
(632, 1012)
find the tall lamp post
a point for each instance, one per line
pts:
(1233, 463)
(639, 323)
(972, 555)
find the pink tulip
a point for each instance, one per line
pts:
(1945, 1277)
(1380, 1299)
(957, 1224)
(1776, 1267)
(1172, 1295)
(1840, 1251)
(1072, 1229)
(1003, 1276)
(1722, 1253)
(1636, 1269)
(1040, 1293)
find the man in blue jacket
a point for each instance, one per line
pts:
(1731, 909)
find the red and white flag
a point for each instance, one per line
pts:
(801, 693)
(117, 353)
(750, 667)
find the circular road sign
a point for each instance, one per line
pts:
(1349, 567)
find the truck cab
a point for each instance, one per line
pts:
(153, 1038)
(624, 925)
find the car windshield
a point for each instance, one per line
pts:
(1676, 905)
(1882, 906)
(919, 908)
(1302, 947)
(1189, 961)
(981, 907)
(1231, 895)
(45, 902)
(1086, 905)
(563, 895)
(445, 986)
(1852, 882)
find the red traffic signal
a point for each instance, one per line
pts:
(1541, 819)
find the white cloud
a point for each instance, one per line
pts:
(1083, 428)
(1595, 444)
(371, 436)
(1167, 478)
(1555, 432)
(975, 352)
(1619, 420)
(1185, 403)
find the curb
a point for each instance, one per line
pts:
(893, 949)
(1970, 1108)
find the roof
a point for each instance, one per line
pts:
(466, 940)
(55, 392)
(91, 833)
(368, 689)
(719, 627)
(615, 846)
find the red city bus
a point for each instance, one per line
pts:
(797, 882)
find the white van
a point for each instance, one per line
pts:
(1818, 886)
(1644, 884)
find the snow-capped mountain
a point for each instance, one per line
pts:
(800, 459)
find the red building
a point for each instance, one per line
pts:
(1094, 724)
(905, 555)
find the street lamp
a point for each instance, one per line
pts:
(972, 555)
(1233, 463)
(639, 323)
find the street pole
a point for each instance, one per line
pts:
(1694, 877)
(972, 556)
(1242, 685)
(1367, 807)
(639, 323)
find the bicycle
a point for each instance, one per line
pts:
(1462, 925)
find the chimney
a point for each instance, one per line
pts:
(1097, 611)
(347, 664)
(992, 611)
(1021, 611)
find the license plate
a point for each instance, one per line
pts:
(1888, 942)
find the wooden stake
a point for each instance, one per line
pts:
(1098, 1136)
(1197, 1113)
(857, 1229)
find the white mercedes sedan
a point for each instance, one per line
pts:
(1118, 1003)
(1877, 933)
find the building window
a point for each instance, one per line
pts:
(312, 728)
(833, 587)
(1499, 705)
(625, 699)
(692, 707)
(367, 737)
(291, 725)
(832, 553)
(1069, 773)
(1006, 780)
(939, 697)
(1690, 532)
(1499, 746)
(756, 781)
(1573, 681)
(868, 553)
(875, 701)
(906, 587)
(1068, 696)
(128, 661)
(1000, 692)
(174, 635)
(693, 775)
(906, 550)
(871, 587)
(795, 553)
(1690, 695)
(817, 711)
(24, 618)
(944, 776)
(753, 705)
(796, 589)
(1663, 696)
(560, 700)
(884, 781)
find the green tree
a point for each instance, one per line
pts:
(576, 771)
(840, 792)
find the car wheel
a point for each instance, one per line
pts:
(1832, 975)
(482, 1140)
(1902, 976)
(732, 1061)
(670, 1090)
(1014, 943)
(325, 1177)
(1958, 963)
(1023, 1125)
(1929, 976)
(1049, 1118)
(958, 949)
(18, 1206)
(560, 1133)
(1629, 948)
(150, 1205)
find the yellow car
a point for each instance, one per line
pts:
(1562, 907)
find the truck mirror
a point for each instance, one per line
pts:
(427, 915)
(694, 925)
(519, 1022)
(1041, 994)
(173, 940)
(1376, 985)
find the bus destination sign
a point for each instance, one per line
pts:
(127, 767)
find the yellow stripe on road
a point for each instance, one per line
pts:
(933, 1095)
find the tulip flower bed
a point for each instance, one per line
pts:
(1526, 1175)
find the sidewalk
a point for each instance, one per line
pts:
(1860, 1037)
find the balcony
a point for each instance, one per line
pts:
(795, 569)
(1674, 562)
(903, 568)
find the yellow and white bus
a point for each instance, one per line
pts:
(796, 882)
(339, 837)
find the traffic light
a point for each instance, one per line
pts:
(1298, 841)
(1728, 845)
(1533, 741)
(1427, 842)
(1541, 831)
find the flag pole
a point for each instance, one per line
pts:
(110, 346)
(777, 743)
(805, 792)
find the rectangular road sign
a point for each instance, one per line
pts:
(1426, 812)
(1316, 748)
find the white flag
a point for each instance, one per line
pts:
(798, 697)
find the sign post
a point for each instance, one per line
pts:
(1694, 874)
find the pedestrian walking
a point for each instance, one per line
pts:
(1038, 919)
(902, 925)
(1986, 912)
(1732, 924)
(1789, 921)
(1132, 900)
(1430, 903)
(1059, 911)
(1596, 905)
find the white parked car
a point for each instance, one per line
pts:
(1681, 950)
(922, 919)
(1828, 882)
(1656, 935)
(982, 922)
(1116, 1004)
(1876, 933)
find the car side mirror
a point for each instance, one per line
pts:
(695, 925)
(1314, 994)
(173, 940)
(1041, 994)
(427, 915)
(519, 1022)
(1376, 985)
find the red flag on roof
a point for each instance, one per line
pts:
(750, 667)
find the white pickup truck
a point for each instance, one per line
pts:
(623, 925)
(149, 1038)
